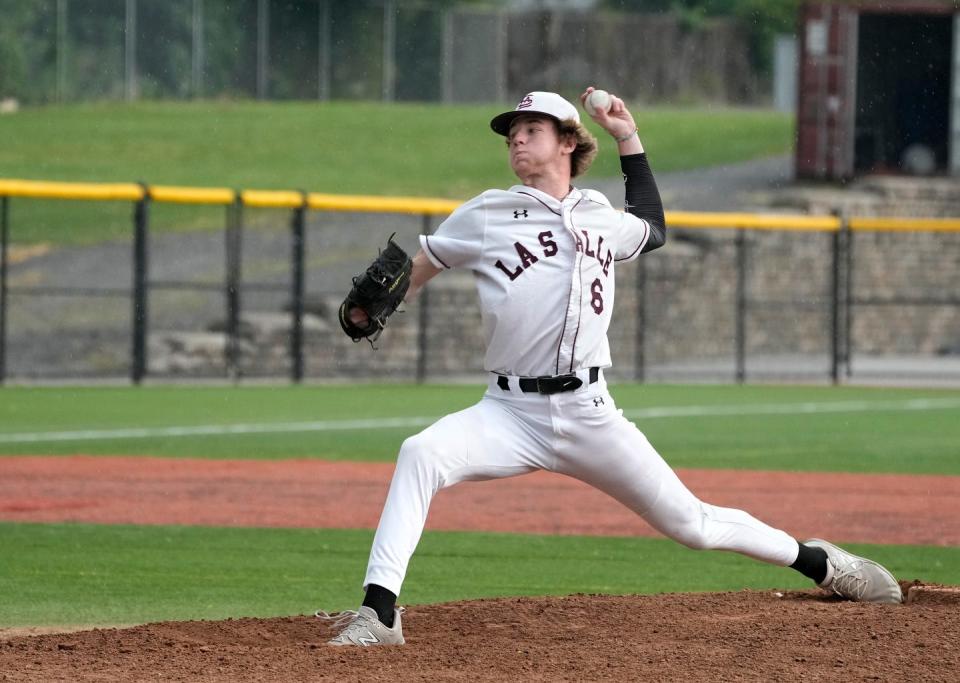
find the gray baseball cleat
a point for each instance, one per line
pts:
(363, 628)
(857, 578)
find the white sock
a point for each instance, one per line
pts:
(829, 577)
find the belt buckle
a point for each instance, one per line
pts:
(558, 384)
(543, 387)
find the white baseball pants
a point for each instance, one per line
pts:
(578, 433)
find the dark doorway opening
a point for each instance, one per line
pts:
(903, 94)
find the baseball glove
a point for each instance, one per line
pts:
(377, 292)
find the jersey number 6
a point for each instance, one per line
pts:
(596, 301)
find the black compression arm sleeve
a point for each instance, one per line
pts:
(643, 198)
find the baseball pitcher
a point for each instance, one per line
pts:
(544, 254)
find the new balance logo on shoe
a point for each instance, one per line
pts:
(367, 639)
(363, 629)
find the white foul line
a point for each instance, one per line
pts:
(404, 422)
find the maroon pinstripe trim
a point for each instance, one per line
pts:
(542, 202)
(646, 234)
(573, 349)
(426, 241)
(564, 330)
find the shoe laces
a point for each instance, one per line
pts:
(849, 581)
(338, 619)
(348, 618)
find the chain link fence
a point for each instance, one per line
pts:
(80, 50)
(732, 297)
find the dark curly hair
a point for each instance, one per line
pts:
(586, 150)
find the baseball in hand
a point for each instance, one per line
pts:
(598, 100)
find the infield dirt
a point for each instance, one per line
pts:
(844, 507)
(747, 635)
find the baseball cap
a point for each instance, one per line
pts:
(549, 103)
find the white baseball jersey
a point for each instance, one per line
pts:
(545, 274)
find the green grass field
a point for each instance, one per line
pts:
(90, 574)
(338, 147)
(864, 430)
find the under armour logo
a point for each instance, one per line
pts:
(598, 401)
(520, 214)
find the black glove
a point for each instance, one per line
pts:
(377, 292)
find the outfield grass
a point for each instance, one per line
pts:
(884, 437)
(64, 574)
(339, 147)
(90, 574)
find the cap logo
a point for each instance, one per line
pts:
(527, 101)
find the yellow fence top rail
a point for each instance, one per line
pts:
(192, 195)
(43, 189)
(345, 202)
(752, 221)
(906, 224)
(273, 199)
(291, 199)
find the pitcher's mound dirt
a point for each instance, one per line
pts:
(747, 635)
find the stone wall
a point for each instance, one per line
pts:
(898, 278)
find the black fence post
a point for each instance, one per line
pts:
(740, 314)
(836, 299)
(234, 236)
(423, 320)
(141, 211)
(639, 351)
(296, 294)
(848, 297)
(4, 240)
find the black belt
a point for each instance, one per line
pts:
(548, 384)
